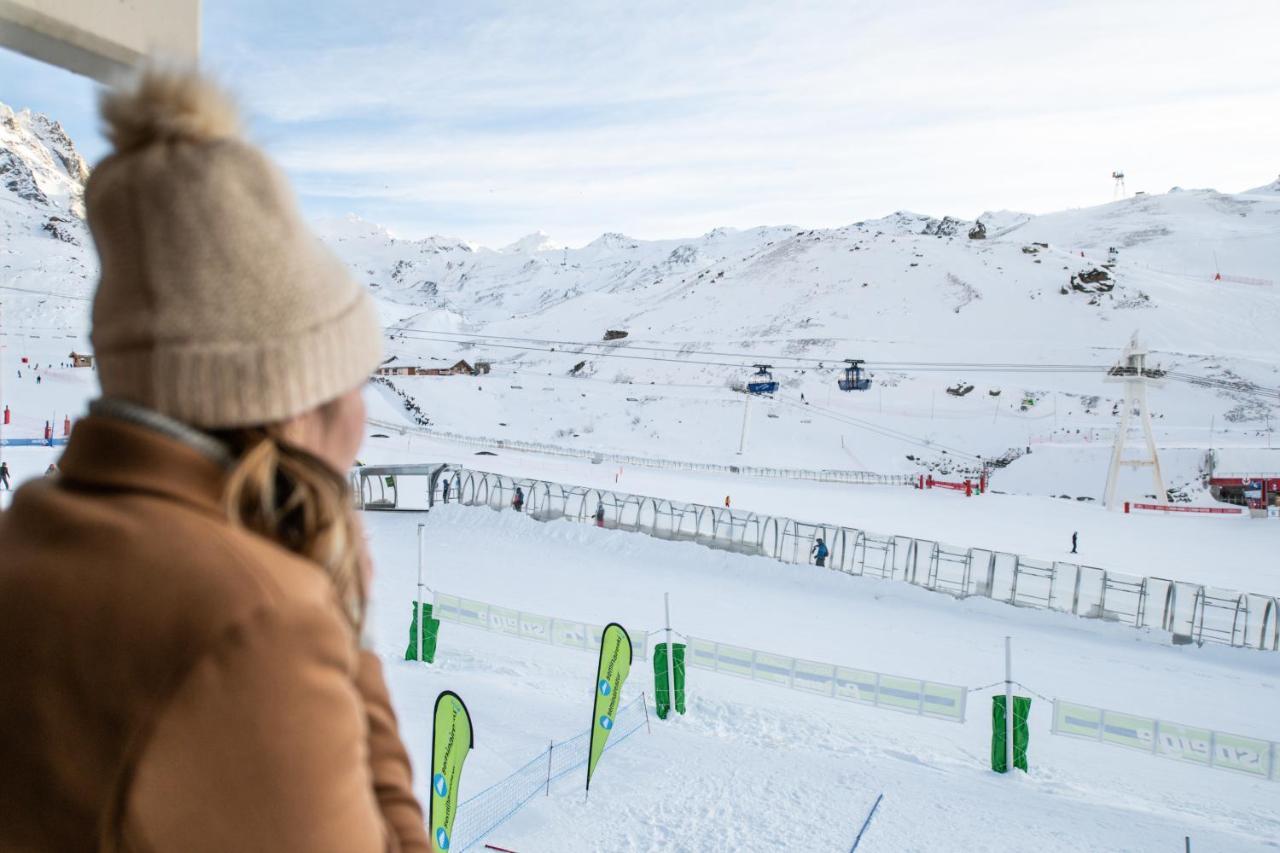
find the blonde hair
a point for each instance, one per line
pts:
(292, 497)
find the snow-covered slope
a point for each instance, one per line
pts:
(924, 300)
(44, 244)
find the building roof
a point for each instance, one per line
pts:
(1246, 462)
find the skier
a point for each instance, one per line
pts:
(517, 502)
(1074, 540)
(599, 513)
(446, 491)
(819, 552)
(233, 707)
(4, 476)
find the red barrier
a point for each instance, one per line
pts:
(966, 486)
(1211, 510)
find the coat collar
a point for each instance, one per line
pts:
(121, 447)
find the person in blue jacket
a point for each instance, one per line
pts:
(820, 552)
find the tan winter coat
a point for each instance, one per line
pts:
(169, 683)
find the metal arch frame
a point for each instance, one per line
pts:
(772, 547)
(1198, 614)
(956, 556)
(1270, 616)
(652, 505)
(1170, 602)
(1243, 599)
(1048, 571)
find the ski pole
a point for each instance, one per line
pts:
(866, 822)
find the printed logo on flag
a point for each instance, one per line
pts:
(605, 687)
(606, 722)
(452, 740)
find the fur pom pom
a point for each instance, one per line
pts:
(166, 106)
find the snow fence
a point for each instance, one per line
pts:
(486, 811)
(1256, 757)
(865, 687)
(1189, 612)
(551, 630)
(848, 684)
(1205, 747)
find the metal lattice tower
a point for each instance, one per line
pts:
(1132, 370)
(1118, 177)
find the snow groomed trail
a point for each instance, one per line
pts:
(758, 767)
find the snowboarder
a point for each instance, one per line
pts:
(1074, 541)
(820, 552)
(517, 502)
(4, 476)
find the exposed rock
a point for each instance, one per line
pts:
(947, 226)
(61, 229)
(18, 178)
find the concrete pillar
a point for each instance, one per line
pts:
(101, 40)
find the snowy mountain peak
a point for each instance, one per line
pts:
(39, 160)
(614, 241)
(1273, 187)
(529, 244)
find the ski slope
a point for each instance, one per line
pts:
(756, 767)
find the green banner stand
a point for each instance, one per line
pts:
(660, 690)
(1021, 733)
(611, 674)
(430, 630)
(452, 740)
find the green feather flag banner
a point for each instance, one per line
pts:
(451, 741)
(615, 664)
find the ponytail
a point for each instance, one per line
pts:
(293, 498)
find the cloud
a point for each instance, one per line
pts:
(491, 120)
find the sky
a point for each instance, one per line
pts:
(487, 121)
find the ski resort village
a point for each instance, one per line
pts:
(941, 530)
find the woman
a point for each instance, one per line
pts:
(181, 607)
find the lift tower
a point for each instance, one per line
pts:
(1132, 370)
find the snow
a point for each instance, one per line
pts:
(753, 767)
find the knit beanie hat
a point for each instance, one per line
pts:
(217, 306)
